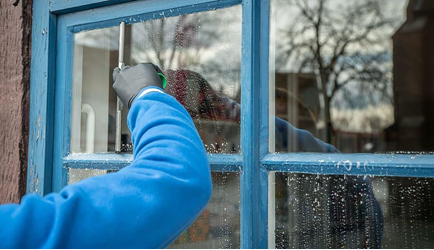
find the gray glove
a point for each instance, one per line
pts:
(129, 81)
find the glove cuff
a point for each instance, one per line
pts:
(143, 92)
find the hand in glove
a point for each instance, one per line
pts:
(129, 81)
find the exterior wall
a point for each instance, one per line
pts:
(15, 34)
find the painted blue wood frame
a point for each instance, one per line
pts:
(67, 6)
(254, 124)
(101, 18)
(352, 164)
(139, 11)
(63, 103)
(219, 163)
(42, 84)
(41, 101)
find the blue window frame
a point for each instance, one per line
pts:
(54, 25)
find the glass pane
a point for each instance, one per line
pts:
(219, 224)
(314, 211)
(354, 74)
(200, 54)
(76, 175)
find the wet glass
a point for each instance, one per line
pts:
(218, 227)
(219, 224)
(313, 211)
(200, 55)
(76, 175)
(351, 76)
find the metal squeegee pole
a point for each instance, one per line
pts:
(119, 103)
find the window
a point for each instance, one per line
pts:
(317, 123)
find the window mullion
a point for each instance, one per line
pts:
(111, 161)
(254, 127)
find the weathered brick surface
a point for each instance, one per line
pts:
(15, 30)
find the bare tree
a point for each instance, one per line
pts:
(342, 42)
(206, 42)
(177, 42)
(166, 39)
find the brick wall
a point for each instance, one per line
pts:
(15, 36)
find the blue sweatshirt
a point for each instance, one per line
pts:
(306, 142)
(145, 205)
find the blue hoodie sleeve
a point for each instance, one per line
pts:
(145, 205)
(306, 142)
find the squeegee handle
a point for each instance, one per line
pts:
(118, 141)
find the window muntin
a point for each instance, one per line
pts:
(345, 71)
(201, 56)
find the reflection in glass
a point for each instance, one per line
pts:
(353, 74)
(201, 55)
(219, 224)
(315, 211)
(92, 120)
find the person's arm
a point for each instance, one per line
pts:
(145, 205)
(306, 142)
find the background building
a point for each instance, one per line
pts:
(413, 81)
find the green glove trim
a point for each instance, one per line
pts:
(163, 79)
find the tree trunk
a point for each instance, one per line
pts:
(324, 77)
(328, 120)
